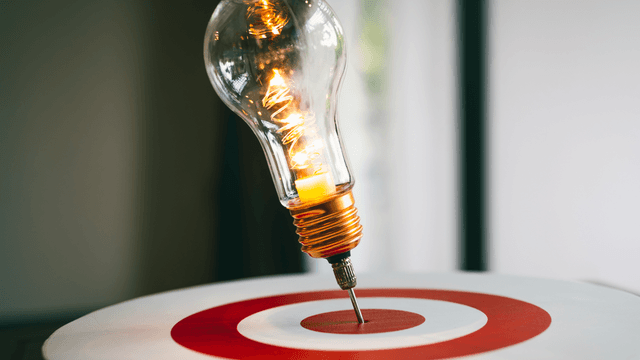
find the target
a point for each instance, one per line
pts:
(218, 331)
(425, 316)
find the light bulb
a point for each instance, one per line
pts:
(278, 64)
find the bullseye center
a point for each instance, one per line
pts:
(376, 321)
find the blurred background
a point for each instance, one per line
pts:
(483, 135)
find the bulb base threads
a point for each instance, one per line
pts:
(328, 228)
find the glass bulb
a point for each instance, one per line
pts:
(278, 64)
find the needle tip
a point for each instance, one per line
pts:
(356, 308)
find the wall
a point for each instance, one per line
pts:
(397, 112)
(565, 149)
(107, 147)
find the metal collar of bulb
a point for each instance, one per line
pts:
(328, 228)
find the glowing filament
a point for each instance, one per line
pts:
(314, 182)
(279, 99)
(277, 95)
(267, 18)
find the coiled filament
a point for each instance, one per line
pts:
(267, 18)
(278, 99)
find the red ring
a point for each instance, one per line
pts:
(510, 321)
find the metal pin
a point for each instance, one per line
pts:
(356, 308)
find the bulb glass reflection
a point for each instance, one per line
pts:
(278, 64)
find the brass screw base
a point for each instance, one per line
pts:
(328, 228)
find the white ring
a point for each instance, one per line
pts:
(280, 326)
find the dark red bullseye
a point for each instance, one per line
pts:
(376, 321)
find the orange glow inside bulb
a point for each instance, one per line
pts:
(315, 187)
(314, 181)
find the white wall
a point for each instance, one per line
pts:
(400, 134)
(565, 139)
(422, 151)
